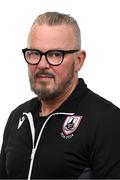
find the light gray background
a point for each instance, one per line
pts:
(99, 21)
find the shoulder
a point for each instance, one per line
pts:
(99, 104)
(102, 116)
(27, 106)
(99, 113)
(18, 112)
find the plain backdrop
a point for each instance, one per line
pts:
(99, 21)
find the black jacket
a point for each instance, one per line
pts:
(83, 133)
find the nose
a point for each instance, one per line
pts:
(43, 64)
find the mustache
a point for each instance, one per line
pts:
(43, 73)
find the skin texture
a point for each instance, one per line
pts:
(54, 84)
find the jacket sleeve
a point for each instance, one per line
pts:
(2, 164)
(105, 152)
(3, 171)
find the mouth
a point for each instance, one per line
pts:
(44, 77)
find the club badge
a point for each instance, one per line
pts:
(70, 124)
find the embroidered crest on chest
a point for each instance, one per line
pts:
(70, 124)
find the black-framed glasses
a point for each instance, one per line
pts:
(53, 57)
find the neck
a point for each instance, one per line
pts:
(50, 106)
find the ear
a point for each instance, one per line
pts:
(80, 60)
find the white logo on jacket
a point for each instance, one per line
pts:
(21, 120)
(70, 124)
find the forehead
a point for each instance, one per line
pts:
(46, 37)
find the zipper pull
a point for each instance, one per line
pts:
(32, 153)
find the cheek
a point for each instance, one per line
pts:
(31, 70)
(63, 72)
(60, 71)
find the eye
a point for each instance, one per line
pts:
(55, 54)
(32, 54)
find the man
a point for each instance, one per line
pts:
(67, 131)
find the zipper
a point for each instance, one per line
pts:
(34, 148)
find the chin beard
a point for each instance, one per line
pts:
(47, 95)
